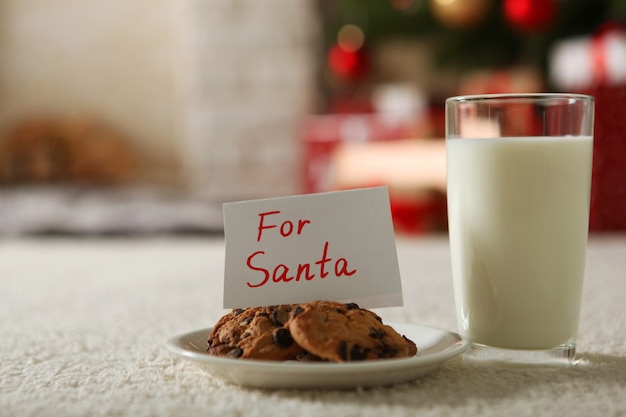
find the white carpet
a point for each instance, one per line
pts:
(83, 325)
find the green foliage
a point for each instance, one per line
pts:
(494, 43)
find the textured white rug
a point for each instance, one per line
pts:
(83, 325)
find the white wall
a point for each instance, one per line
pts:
(211, 91)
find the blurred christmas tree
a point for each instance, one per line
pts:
(450, 47)
(465, 34)
(397, 60)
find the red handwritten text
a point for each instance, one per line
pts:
(286, 227)
(303, 271)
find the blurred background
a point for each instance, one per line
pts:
(144, 116)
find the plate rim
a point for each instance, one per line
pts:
(457, 346)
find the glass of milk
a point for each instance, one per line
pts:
(519, 180)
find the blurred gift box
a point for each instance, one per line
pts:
(608, 189)
(596, 65)
(363, 150)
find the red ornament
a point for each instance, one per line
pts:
(348, 64)
(530, 15)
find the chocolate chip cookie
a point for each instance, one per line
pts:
(255, 333)
(345, 332)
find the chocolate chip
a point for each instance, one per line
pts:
(352, 306)
(263, 314)
(238, 311)
(377, 334)
(246, 334)
(343, 351)
(235, 352)
(357, 353)
(309, 357)
(299, 310)
(282, 337)
(245, 321)
(389, 351)
(276, 319)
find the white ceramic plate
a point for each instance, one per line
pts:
(435, 346)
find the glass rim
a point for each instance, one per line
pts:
(521, 97)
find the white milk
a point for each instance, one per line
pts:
(518, 218)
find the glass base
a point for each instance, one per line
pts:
(486, 355)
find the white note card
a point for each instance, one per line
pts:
(328, 246)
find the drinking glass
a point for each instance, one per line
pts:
(518, 183)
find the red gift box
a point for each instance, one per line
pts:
(322, 135)
(608, 189)
(416, 207)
